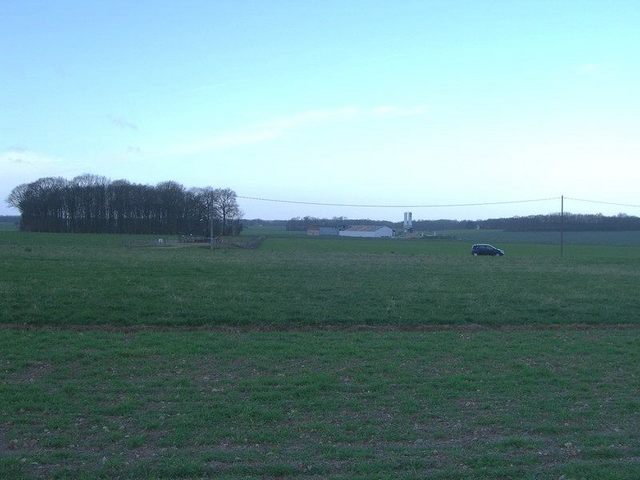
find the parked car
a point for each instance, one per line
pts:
(484, 249)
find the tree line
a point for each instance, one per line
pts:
(573, 222)
(95, 204)
(551, 222)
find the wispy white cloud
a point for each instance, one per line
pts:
(281, 126)
(24, 165)
(133, 150)
(219, 141)
(18, 156)
(589, 68)
(122, 122)
(395, 111)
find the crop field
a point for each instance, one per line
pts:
(317, 358)
(609, 238)
(8, 226)
(290, 282)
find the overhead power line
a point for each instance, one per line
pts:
(603, 203)
(441, 205)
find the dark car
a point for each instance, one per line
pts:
(484, 249)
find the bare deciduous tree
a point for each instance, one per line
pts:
(91, 203)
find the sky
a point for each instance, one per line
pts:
(404, 103)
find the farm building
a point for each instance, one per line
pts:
(367, 231)
(316, 231)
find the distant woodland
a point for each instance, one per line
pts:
(95, 204)
(552, 222)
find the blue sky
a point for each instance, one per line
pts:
(374, 102)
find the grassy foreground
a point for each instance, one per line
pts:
(450, 404)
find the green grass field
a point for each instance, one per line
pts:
(485, 404)
(8, 227)
(56, 279)
(317, 358)
(611, 238)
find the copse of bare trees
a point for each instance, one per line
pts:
(95, 204)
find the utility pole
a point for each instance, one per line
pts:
(562, 225)
(211, 228)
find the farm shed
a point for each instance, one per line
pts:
(367, 231)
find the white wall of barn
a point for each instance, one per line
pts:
(381, 232)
